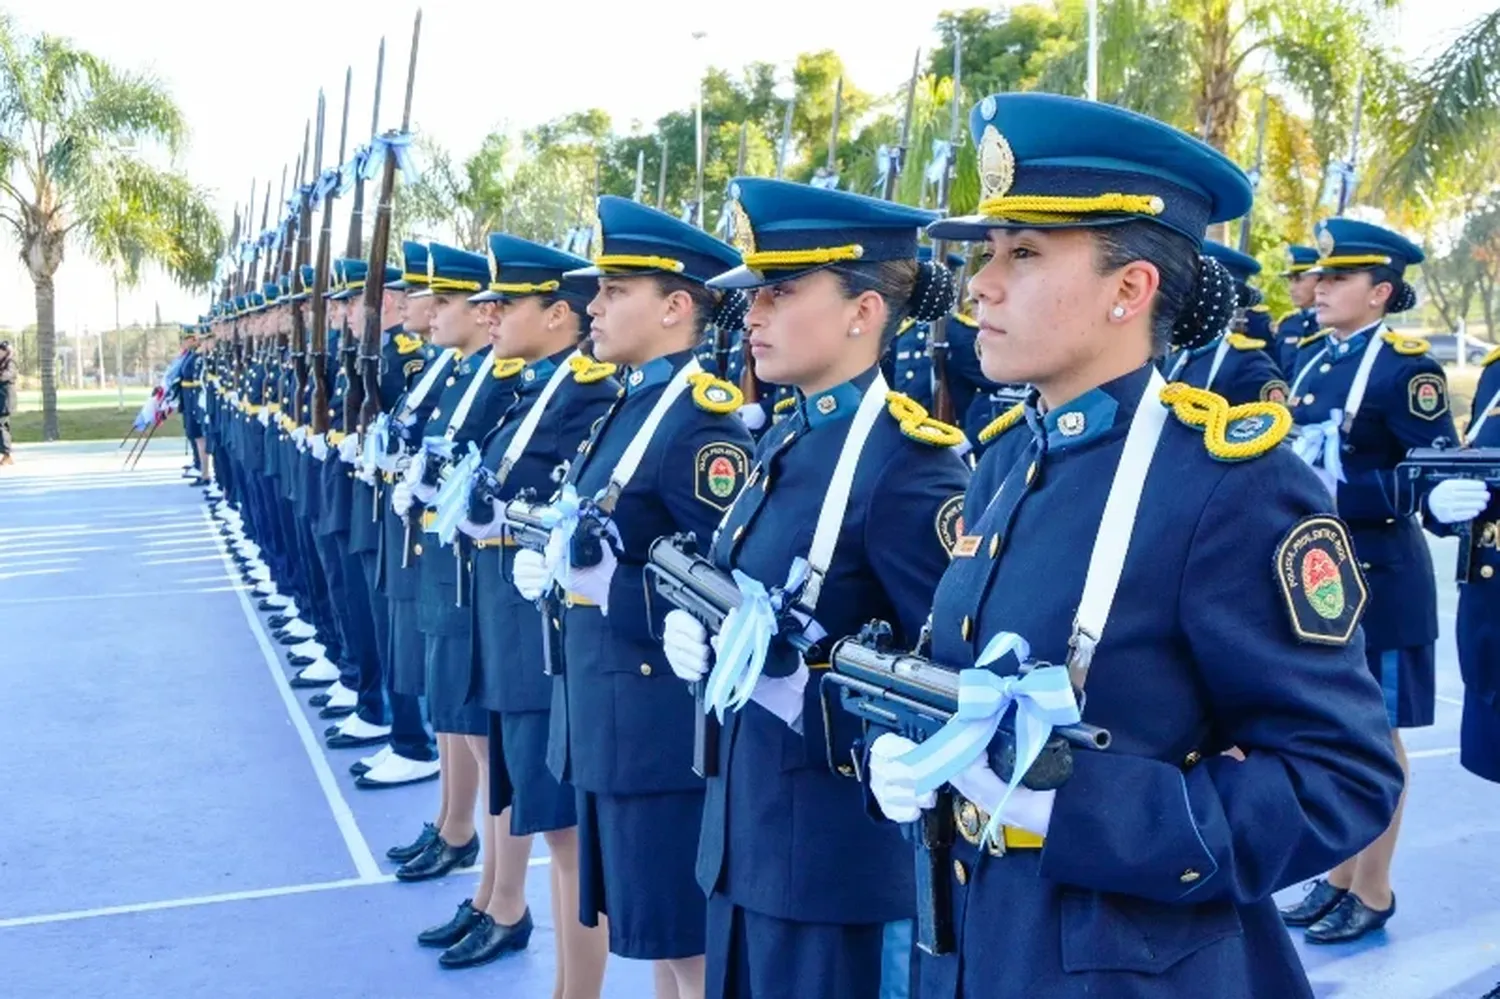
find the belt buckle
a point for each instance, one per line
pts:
(970, 821)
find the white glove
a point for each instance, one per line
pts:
(264, 416)
(593, 583)
(299, 437)
(401, 498)
(529, 573)
(1455, 501)
(1025, 808)
(686, 645)
(892, 783)
(753, 416)
(319, 446)
(422, 490)
(365, 475)
(783, 696)
(349, 449)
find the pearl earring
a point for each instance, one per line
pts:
(854, 331)
(1118, 312)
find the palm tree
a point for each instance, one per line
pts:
(73, 169)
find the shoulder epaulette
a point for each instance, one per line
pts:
(906, 324)
(782, 405)
(587, 371)
(1230, 433)
(1490, 358)
(507, 367)
(973, 324)
(918, 425)
(1241, 342)
(1314, 338)
(1002, 423)
(408, 343)
(1262, 307)
(1406, 346)
(714, 395)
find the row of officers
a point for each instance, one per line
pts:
(1237, 571)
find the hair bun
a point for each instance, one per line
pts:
(933, 296)
(1249, 297)
(1402, 299)
(729, 315)
(1212, 307)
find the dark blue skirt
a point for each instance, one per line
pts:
(755, 956)
(519, 778)
(1408, 680)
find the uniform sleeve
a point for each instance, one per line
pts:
(696, 493)
(1320, 779)
(1417, 415)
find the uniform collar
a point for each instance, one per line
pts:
(1092, 414)
(1353, 346)
(656, 371)
(537, 373)
(838, 403)
(467, 365)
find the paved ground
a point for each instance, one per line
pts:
(171, 826)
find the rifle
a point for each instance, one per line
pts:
(293, 406)
(898, 156)
(354, 387)
(527, 528)
(265, 220)
(915, 697)
(318, 424)
(1425, 467)
(288, 268)
(937, 334)
(369, 345)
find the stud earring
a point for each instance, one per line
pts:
(854, 331)
(1118, 312)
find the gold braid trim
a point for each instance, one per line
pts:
(1002, 423)
(920, 427)
(507, 367)
(1211, 413)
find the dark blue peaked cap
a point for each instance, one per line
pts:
(454, 271)
(1300, 259)
(1053, 162)
(414, 275)
(785, 230)
(1348, 245)
(630, 238)
(519, 267)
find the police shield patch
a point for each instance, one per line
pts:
(1324, 589)
(1427, 396)
(950, 523)
(718, 474)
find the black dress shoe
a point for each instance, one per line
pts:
(1349, 920)
(358, 768)
(487, 941)
(438, 860)
(300, 661)
(1319, 902)
(404, 853)
(290, 640)
(280, 621)
(319, 700)
(454, 929)
(266, 605)
(345, 741)
(279, 633)
(303, 682)
(327, 713)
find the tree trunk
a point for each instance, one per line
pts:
(46, 340)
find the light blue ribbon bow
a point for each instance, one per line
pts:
(1043, 698)
(397, 144)
(375, 441)
(745, 639)
(885, 162)
(937, 167)
(1320, 444)
(353, 170)
(326, 184)
(561, 518)
(452, 500)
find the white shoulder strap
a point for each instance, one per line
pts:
(429, 379)
(1219, 355)
(631, 459)
(461, 411)
(1302, 375)
(1484, 414)
(517, 445)
(1112, 541)
(836, 500)
(1362, 377)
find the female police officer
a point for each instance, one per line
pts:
(857, 493)
(1362, 397)
(670, 456)
(1229, 624)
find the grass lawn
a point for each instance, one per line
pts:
(86, 424)
(84, 398)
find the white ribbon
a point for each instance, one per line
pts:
(1319, 445)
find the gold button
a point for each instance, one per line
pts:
(1191, 759)
(1486, 571)
(645, 669)
(1308, 399)
(1189, 876)
(994, 546)
(451, 380)
(416, 549)
(1326, 368)
(1030, 472)
(964, 629)
(960, 874)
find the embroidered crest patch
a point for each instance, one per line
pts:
(719, 472)
(412, 367)
(1324, 589)
(997, 164)
(1427, 396)
(950, 523)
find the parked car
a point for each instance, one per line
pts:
(1445, 348)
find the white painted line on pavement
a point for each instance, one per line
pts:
(1427, 754)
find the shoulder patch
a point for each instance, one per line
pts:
(968, 321)
(1407, 346)
(1314, 338)
(587, 371)
(1320, 580)
(950, 523)
(1241, 342)
(1427, 395)
(1002, 423)
(1274, 390)
(916, 424)
(408, 343)
(1490, 358)
(507, 367)
(1230, 433)
(719, 472)
(714, 395)
(783, 405)
(413, 366)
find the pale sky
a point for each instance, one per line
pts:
(247, 78)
